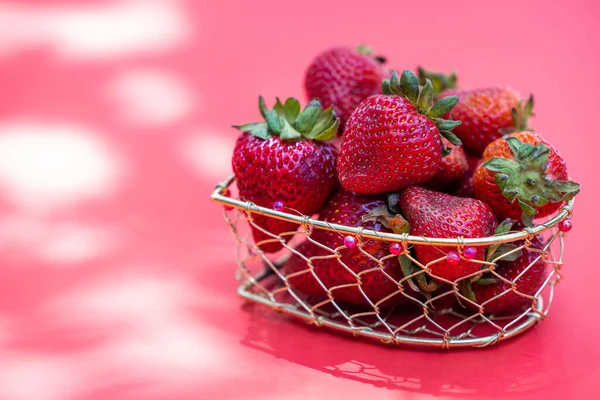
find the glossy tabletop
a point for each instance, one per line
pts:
(117, 274)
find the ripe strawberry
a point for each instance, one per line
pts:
(489, 286)
(464, 187)
(286, 159)
(434, 214)
(342, 77)
(453, 167)
(523, 177)
(486, 114)
(351, 210)
(392, 140)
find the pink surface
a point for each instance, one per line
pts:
(117, 273)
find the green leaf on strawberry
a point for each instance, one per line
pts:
(525, 178)
(258, 129)
(441, 82)
(289, 123)
(408, 86)
(291, 109)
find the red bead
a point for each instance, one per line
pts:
(453, 257)
(350, 242)
(278, 205)
(470, 253)
(565, 225)
(395, 248)
(225, 192)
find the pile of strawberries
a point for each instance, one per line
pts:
(404, 154)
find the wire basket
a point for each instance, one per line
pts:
(444, 319)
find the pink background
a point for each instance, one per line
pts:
(117, 273)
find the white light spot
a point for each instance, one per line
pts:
(28, 376)
(93, 31)
(209, 153)
(61, 244)
(71, 244)
(154, 332)
(47, 165)
(145, 97)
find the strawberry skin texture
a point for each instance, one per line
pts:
(452, 168)
(487, 190)
(529, 283)
(342, 77)
(464, 187)
(440, 215)
(388, 145)
(300, 173)
(347, 208)
(483, 112)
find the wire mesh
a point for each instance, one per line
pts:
(448, 317)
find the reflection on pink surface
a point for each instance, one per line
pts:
(117, 274)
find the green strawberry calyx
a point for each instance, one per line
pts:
(407, 86)
(500, 251)
(390, 220)
(520, 116)
(386, 215)
(289, 123)
(525, 180)
(368, 51)
(507, 252)
(441, 82)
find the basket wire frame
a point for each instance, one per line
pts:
(264, 281)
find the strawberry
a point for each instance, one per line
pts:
(528, 280)
(393, 140)
(440, 215)
(286, 160)
(464, 187)
(523, 177)
(453, 167)
(486, 114)
(342, 77)
(352, 210)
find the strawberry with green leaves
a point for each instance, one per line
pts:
(394, 140)
(523, 177)
(287, 160)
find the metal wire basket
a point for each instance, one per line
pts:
(445, 319)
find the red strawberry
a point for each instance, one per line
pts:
(348, 209)
(440, 215)
(453, 167)
(528, 283)
(464, 187)
(485, 114)
(393, 140)
(286, 159)
(342, 77)
(523, 177)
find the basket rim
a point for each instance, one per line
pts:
(218, 197)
